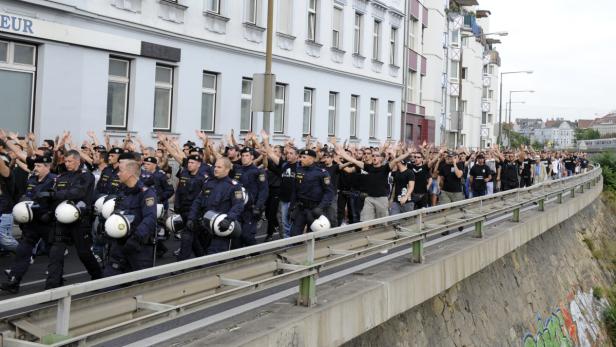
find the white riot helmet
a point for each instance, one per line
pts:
(174, 223)
(213, 219)
(160, 210)
(22, 212)
(117, 226)
(245, 195)
(67, 212)
(320, 224)
(108, 208)
(98, 205)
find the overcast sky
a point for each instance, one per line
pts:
(570, 46)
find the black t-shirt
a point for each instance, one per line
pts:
(422, 175)
(375, 182)
(287, 179)
(451, 182)
(569, 163)
(401, 182)
(525, 166)
(20, 179)
(479, 174)
(6, 194)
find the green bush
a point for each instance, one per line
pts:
(609, 316)
(597, 292)
(607, 160)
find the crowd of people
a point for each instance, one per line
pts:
(119, 202)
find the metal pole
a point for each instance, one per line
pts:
(500, 110)
(460, 103)
(268, 61)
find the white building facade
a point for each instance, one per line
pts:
(144, 66)
(559, 137)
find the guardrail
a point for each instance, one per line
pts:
(411, 228)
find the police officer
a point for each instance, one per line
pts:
(109, 183)
(39, 228)
(155, 178)
(189, 186)
(76, 185)
(254, 182)
(312, 193)
(219, 194)
(137, 203)
(509, 173)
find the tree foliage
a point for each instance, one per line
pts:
(607, 160)
(586, 134)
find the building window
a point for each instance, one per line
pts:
(246, 114)
(490, 94)
(252, 11)
(373, 116)
(376, 40)
(17, 73)
(491, 69)
(484, 117)
(354, 112)
(357, 33)
(455, 37)
(453, 103)
(117, 93)
(464, 71)
(463, 106)
(332, 113)
(312, 20)
(393, 38)
(413, 34)
(484, 93)
(490, 118)
(337, 25)
(485, 69)
(208, 101)
(390, 118)
(307, 116)
(285, 16)
(455, 67)
(163, 94)
(410, 96)
(279, 107)
(212, 6)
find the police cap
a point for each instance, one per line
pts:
(116, 150)
(189, 144)
(127, 155)
(309, 152)
(247, 150)
(194, 157)
(100, 148)
(152, 160)
(42, 159)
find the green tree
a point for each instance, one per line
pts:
(607, 160)
(537, 145)
(586, 134)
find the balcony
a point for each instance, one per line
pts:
(423, 65)
(424, 17)
(414, 5)
(494, 57)
(470, 22)
(413, 60)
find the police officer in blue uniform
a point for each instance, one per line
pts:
(219, 194)
(254, 181)
(137, 203)
(155, 178)
(39, 228)
(189, 186)
(312, 193)
(109, 183)
(75, 184)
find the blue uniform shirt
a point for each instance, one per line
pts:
(157, 180)
(312, 186)
(140, 203)
(75, 186)
(109, 183)
(34, 186)
(188, 188)
(222, 195)
(254, 181)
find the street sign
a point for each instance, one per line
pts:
(263, 92)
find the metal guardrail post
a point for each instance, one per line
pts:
(588, 185)
(417, 254)
(541, 205)
(573, 192)
(582, 188)
(63, 316)
(308, 285)
(478, 229)
(516, 214)
(559, 198)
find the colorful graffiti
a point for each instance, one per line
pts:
(576, 324)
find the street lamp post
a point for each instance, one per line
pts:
(500, 102)
(509, 120)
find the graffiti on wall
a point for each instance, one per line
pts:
(575, 323)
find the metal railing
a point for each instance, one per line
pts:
(411, 228)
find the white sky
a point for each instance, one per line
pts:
(571, 47)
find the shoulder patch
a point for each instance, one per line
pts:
(234, 182)
(262, 177)
(239, 195)
(149, 202)
(326, 180)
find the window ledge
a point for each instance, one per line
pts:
(313, 48)
(286, 36)
(358, 56)
(154, 134)
(214, 15)
(313, 43)
(173, 4)
(253, 26)
(337, 50)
